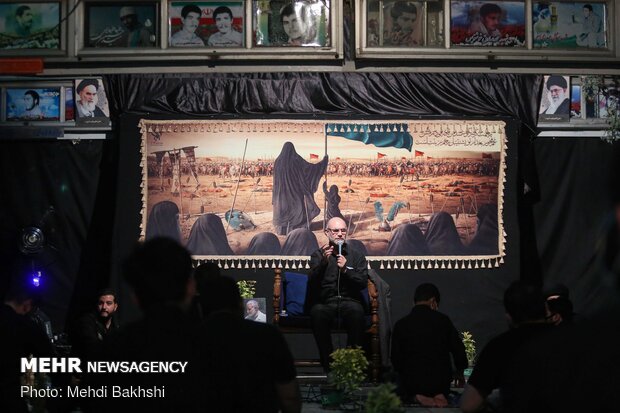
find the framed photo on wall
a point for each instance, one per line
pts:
(255, 309)
(297, 23)
(121, 25)
(572, 26)
(555, 105)
(33, 104)
(487, 23)
(91, 103)
(211, 24)
(30, 25)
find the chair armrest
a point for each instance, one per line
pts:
(277, 295)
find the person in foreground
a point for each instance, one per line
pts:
(526, 312)
(247, 365)
(338, 274)
(422, 343)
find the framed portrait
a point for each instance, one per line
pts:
(30, 25)
(573, 26)
(255, 309)
(555, 104)
(575, 101)
(299, 23)
(33, 104)
(121, 25)
(206, 24)
(487, 23)
(91, 103)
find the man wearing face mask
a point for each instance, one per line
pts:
(338, 275)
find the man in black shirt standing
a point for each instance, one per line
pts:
(338, 275)
(421, 346)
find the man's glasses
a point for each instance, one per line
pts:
(337, 230)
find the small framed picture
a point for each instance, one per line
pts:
(555, 105)
(91, 103)
(200, 24)
(569, 25)
(297, 23)
(487, 23)
(255, 309)
(33, 104)
(395, 23)
(30, 25)
(121, 25)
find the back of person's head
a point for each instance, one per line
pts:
(489, 8)
(191, 8)
(425, 292)
(401, 7)
(21, 295)
(524, 302)
(220, 293)
(205, 272)
(159, 271)
(561, 306)
(588, 6)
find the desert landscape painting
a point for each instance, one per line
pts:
(266, 188)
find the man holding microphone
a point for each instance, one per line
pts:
(338, 275)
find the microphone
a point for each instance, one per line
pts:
(339, 243)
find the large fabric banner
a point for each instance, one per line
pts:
(258, 193)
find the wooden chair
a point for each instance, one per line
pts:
(300, 322)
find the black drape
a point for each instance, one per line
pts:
(573, 215)
(472, 297)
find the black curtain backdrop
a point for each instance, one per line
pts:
(473, 298)
(94, 186)
(573, 215)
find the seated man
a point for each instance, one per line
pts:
(338, 274)
(421, 346)
(94, 326)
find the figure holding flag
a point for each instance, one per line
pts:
(295, 181)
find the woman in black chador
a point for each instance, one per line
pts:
(294, 183)
(264, 243)
(208, 237)
(442, 236)
(164, 221)
(333, 202)
(407, 240)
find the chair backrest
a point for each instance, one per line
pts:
(294, 293)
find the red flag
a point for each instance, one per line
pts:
(402, 158)
(208, 159)
(419, 153)
(429, 157)
(314, 156)
(380, 155)
(486, 156)
(338, 158)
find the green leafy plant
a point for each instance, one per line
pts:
(592, 87)
(247, 288)
(383, 399)
(470, 347)
(348, 369)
